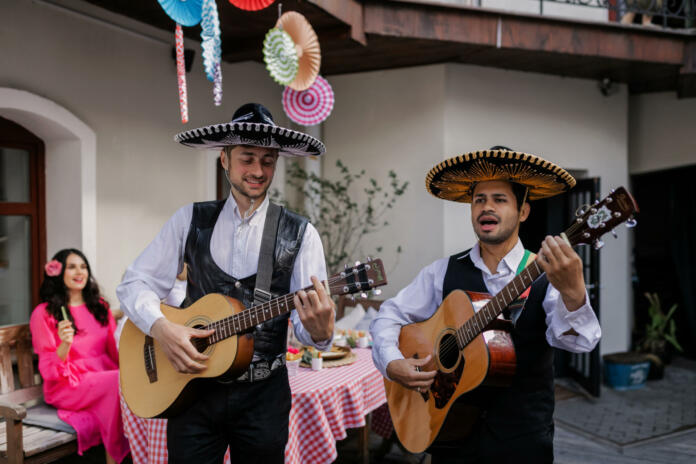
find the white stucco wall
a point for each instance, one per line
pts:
(393, 120)
(661, 128)
(410, 119)
(122, 85)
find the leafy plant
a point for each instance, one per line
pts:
(660, 329)
(341, 218)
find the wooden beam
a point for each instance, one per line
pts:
(348, 11)
(524, 32)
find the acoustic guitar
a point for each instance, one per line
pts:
(469, 348)
(153, 388)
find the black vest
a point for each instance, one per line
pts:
(527, 405)
(204, 276)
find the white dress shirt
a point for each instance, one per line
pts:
(421, 298)
(234, 246)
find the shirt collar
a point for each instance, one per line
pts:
(509, 263)
(232, 209)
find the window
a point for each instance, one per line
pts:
(22, 221)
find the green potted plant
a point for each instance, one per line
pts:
(660, 336)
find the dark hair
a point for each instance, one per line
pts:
(54, 291)
(519, 190)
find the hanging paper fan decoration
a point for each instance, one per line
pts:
(309, 107)
(181, 73)
(306, 45)
(251, 5)
(210, 35)
(280, 56)
(184, 12)
(217, 86)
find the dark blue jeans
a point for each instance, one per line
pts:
(252, 418)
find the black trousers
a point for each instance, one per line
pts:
(483, 446)
(252, 418)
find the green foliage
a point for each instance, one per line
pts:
(661, 328)
(342, 219)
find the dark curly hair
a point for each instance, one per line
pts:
(54, 291)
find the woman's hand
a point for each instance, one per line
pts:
(66, 332)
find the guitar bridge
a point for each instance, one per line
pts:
(149, 357)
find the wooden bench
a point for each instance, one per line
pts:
(21, 391)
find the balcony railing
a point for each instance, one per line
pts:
(665, 13)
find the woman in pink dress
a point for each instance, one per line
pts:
(73, 334)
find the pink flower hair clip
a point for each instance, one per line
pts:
(53, 268)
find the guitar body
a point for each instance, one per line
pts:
(489, 359)
(156, 389)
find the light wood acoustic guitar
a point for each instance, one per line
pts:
(153, 388)
(469, 348)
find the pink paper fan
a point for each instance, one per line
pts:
(251, 5)
(309, 107)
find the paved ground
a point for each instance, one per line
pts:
(656, 424)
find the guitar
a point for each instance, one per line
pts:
(469, 348)
(153, 388)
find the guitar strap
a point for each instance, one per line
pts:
(512, 312)
(264, 273)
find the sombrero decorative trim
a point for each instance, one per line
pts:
(245, 129)
(454, 179)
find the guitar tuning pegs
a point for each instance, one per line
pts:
(613, 232)
(598, 244)
(369, 259)
(357, 263)
(377, 291)
(352, 297)
(631, 223)
(346, 266)
(363, 295)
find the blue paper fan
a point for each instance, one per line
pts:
(210, 33)
(184, 12)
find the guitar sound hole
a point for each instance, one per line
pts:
(448, 351)
(201, 344)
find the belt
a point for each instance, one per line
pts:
(258, 370)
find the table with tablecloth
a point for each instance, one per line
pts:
(324, 404)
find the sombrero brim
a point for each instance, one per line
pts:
(454, 179)
(287, 141)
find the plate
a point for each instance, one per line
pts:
(337, 352)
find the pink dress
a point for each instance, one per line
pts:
(84, 387)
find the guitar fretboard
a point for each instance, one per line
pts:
(245, 320)
(476, 324)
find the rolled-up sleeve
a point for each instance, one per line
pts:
(152, 275)
(414, 303)
(310, 261)
(559, 321)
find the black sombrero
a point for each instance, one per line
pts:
(454, 179)
(252, 124)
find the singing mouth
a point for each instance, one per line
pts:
(488, 222)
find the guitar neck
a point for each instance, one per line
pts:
(249, 318)
(476, 324)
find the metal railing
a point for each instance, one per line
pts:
(683, 10)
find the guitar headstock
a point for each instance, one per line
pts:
(359, 278)
(600, 218)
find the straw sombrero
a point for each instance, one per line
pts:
(454, 179)
(252, 124)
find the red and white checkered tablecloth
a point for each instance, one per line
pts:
(324, 404)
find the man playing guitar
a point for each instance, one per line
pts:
(512, 423)
(227, 248)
